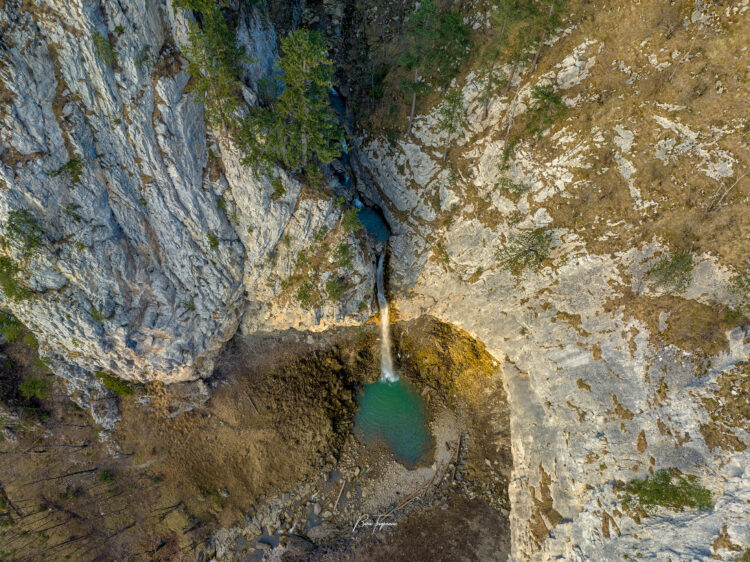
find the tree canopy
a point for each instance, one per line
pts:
(299, 124)
(437, 44)
(213, 55)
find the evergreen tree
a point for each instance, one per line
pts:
(452, 47)
(451, 116)
(300, 123)
(213, 54)
(437, 45)
(422, 33)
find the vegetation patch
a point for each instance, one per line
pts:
(23, 229)
(335, 288)
(299, 126)
(729, 410)
(666, 488)
(72, 168)
(673, 272)
(516, 189)
(278, 189)
(115, 385)
(10, 327)
(546, 109)
(213, 241)
(33, 387)
(9, 282)
(690, 325)
(104, 49)
(527, 250)
(351, 221)
(343, 255)
(460, 370)
(213, 57)
(305, 294)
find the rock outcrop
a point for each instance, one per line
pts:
(608, 375)
(157, 244)
(156, 240)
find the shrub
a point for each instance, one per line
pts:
(104, 49)
(202, 6)
(213, 241)
(673, 272)
(302, 260)
(10, 327)
(71, 209)
(98, 316)
(546, 108)
(72, 168)
(343, 255)
(305, 294)
(143, 57)
(442, 252)
(335, 288)
(515, 188)
(33, 387)
(320, 234)
(115, 385)
(665, 489)
(22, 228)
(31, 340)
(106, 476)
(351, 221)
(278, 189)
(526, 250)
(740, 287)
(9, 283)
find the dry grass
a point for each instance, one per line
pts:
(686, 199)
(690, 325)
(273, 418)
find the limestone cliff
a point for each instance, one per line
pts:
(157, 244)
(156, 239)
(609, 375)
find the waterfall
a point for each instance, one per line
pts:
(386, 361)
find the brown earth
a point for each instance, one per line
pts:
(280, 412)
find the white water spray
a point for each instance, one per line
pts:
(386, 361)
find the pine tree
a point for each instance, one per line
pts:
(422, 33)
(300, 123)
(452, 47)
(437, 45)
(213, 55)
(451, 116)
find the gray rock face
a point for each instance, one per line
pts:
(597, 395)
(141, 272)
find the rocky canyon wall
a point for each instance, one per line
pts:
(609, 376)
(155, 239)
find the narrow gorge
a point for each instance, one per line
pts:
(345, 280)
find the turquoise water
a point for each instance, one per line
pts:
(393, 412)
(374, 224)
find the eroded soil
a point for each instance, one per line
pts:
(270, 453)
